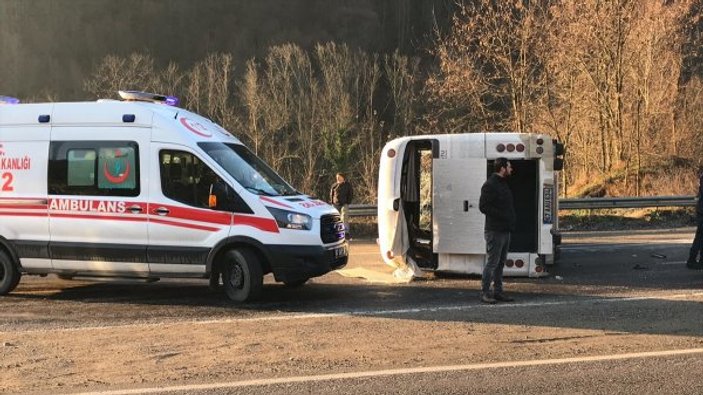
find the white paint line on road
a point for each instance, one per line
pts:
(363, 313)
(395, 372)
(673, 263)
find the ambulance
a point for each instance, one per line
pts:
(142, 189)
(428, 202)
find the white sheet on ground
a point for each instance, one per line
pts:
(371, 275)
(406, 268)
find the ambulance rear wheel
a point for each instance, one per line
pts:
(9, 274)
(242, 276)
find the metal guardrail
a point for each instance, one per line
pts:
(627, 202)
(362, 210)
(370, 210)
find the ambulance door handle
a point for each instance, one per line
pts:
(135, 209)
(162, 211)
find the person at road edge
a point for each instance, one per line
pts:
(693, 261)
(341, 195)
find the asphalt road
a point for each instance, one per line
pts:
(620, 314)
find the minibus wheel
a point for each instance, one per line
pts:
(9, 274)
(557, 254)
(242, 276)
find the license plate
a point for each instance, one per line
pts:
(340, 252)
(547, 204)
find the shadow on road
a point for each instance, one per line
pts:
(591, 288)
(424, 301)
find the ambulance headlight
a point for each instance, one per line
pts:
(291, 220)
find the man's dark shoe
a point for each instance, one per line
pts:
(503, 298)
(487, 299)
(693, 265)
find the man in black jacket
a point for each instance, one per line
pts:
(341, 195)
(496, 203)
(693, 262)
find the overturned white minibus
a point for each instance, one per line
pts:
(428, 194)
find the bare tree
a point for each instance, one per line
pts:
(251, 98)
(600, 75)
(304, 160)
(689, 142)
(654, 75)
(209, 88)
(489, 65)
(401, 73)
(370, 129)
(623, 59)
(308, 114)
(135, 72)
(338, 114)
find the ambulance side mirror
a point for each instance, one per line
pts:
(212, 198)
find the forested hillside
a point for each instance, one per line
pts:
(47, 47)
(316, 87)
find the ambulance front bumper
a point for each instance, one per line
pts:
(293, 263)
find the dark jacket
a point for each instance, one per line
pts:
(497, 203)
(699, 205)
(341, 193)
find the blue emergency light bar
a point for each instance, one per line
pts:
(148, 97)
(9, 100)
(171, 101)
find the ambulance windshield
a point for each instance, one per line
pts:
(249, 171)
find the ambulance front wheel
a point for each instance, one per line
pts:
(242, 276)
(9, 274)
(296, 283)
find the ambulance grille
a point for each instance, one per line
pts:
(331, 228)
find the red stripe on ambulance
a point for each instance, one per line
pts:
(133, 218)
(183, 224)
(267, 199)
(265, 224)
(120, 211)
(22, 214)
(213, 217)
(22, 206)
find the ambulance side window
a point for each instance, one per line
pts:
(186, 179)
(95, 168)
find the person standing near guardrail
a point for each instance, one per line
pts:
(693, 262)
(341, 195)
(496, 202)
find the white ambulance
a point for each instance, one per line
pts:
(428, 194)
(141, 189)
